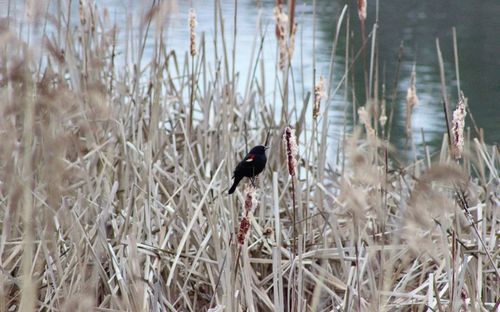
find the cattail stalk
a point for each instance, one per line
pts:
(290, 141)
(362, 18)
(248, 207)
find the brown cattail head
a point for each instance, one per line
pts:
(249, 205)
(411, 100)
(87, 16)
(291, 44)
(383, 115)
(281, 19)
(319, 92)
(249, 198)
(290, 142)
(192, 32)
(285, 34)
(281, 34)
(362, 10)
(244, 228)
(34, 10)
(364, 118)
(458, 124)
(411, 94)
(81, 10)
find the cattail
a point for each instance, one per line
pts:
(248, 208)
(244, 228)
(464, 295)
(319, 92)
(290, 142)
(281, 34)
(364, 118)
(249, 205)
(192, 31)
(281, 19)
(81, 10)
(249, 199)
(458, 124)
(411, 100)
(362, 10)
(34, 10)
(268, 231)
(383, 117)
(291, 45)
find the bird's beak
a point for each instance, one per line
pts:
(266, 147)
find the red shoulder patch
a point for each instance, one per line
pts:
(251, 157)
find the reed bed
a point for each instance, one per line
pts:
(114, 170)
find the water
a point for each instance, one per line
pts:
(418, 24)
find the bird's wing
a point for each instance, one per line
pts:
(248, 158)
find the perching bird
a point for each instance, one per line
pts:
(253, 164)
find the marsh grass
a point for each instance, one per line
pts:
(113, 184)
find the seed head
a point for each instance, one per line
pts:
(290, 142)
(319, 92)
(250, 200)
(244, 228)
(192, 31)
(411, 100)
(364, 118)
(362, 10)
(282, 35)
(458, 124)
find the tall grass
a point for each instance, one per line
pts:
(114, 169)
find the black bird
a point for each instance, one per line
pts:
(253, 164)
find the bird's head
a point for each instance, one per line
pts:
(259, 149)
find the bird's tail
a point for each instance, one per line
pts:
(235, 184)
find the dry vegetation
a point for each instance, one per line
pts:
(113, 183)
